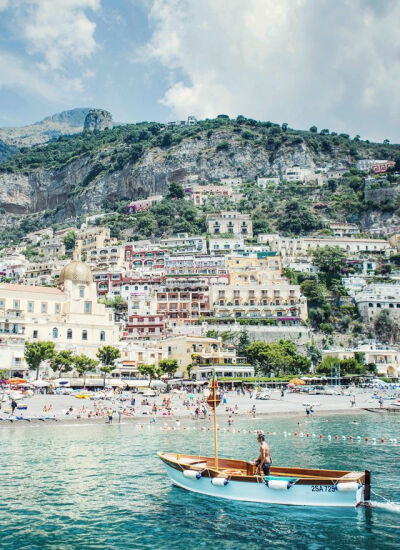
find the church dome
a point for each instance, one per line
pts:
(77, 272)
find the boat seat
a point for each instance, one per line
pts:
(190, 461)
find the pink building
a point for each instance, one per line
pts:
(143, 204)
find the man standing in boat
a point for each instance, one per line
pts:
(264, 461)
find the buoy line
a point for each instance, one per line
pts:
(285, 434)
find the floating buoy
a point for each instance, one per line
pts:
(351, 438)
(321, 436)
(382, 440)
(295, 433)
(307, 435)
(336, 437)
(367, 439)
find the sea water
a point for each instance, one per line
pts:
(103, 487)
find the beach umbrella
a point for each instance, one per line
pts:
(296, 382)
(40, 384)
(17, 381)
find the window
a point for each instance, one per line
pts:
(55, 332)
(57, 308)
(69, 334)
(1, 304)
(81, 292)
(30, 307)
(84, 334)
(35, 334)
(102, 336)
(16, 304)
(88, 307)
(44, 307)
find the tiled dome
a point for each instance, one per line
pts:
(76, 271)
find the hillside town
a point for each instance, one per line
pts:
(205, 301)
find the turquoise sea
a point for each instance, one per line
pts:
(102, 487)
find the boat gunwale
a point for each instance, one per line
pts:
(330, 477)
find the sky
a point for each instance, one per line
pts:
(330, 63)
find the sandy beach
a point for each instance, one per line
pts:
(57, 408)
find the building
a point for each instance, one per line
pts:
(288, 246)
(266, 182)
(386, 359)
(184, 244)
(230, 222)
(143, 204)
(201, 193)
(149, 258)
(306, 175)
(375, 166)
(95, 236)
(184, 298)
(108, 256)
(226, 245)
(51, 248)
(377, 297)
(145, 326)
(342, 229)
(203, 354)
(69, 316)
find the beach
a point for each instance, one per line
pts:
(42, 408)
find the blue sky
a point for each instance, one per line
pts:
(334, 64)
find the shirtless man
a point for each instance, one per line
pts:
(264, 461)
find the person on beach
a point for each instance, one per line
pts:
(353, 401)
(380, 401)
(253, 411)
(110, 416)
(282, 393)
(13, 406)
(264, 460)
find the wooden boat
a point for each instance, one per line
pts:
(238, 480)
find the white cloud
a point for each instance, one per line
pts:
(334, 64)
(16, 74)
(58, 29)
(3, 5)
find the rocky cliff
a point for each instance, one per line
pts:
(97, 119)
(134, 161)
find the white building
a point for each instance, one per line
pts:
(377, 297)
(69, 316)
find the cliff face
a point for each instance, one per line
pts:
(64, 188)
(97, 119)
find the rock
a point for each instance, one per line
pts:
(97, 119)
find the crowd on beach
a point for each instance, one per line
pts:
(116, 405)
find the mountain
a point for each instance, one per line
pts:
(89, 172)
(50, 128)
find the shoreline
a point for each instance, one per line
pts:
(161, 420)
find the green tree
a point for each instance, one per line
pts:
(313, 129)
(36, 352)
(175, 191)
(62, 361)
(384, 327)
(314, 354)
(84, 364)
(243, 343)
(168, 366)
(278, 358)
(152, 371)
(107, 356)
(329, 259)
(69, 240)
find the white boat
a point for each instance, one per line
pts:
(238, 480)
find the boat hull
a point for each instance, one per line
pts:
(296, 495)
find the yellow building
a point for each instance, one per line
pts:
(69, 316)
(204, 353)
